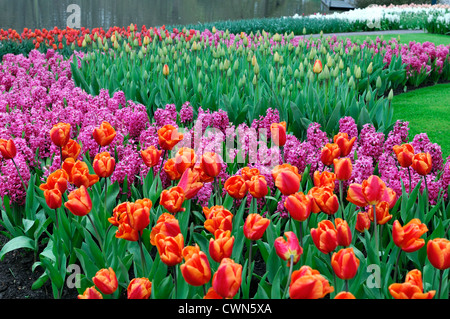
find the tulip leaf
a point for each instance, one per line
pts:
(19, 242)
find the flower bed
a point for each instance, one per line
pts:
(185, 202)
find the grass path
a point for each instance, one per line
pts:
(427, 110)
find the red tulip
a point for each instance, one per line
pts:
(8, 149)
(278, 133)
(307, 283)
(299, 206)
(190, 183)
(60, 134)
(344, 263)
(106, 281)
(405, 154)
(344, 143)
(343, 168)
(211, 164)
(79, 202)
(151, 156)
(228, 278)
(408, 236)
(71, 149)
(329, 152)
(195, 270)
(285, 249)
(139, 288)
(325, 236)
(167, 225)
(257, 186)
(91, 293)
(255, 225)
(104, 134)
(221, 246)
(438, 252)
(344, 233)
(412, 288)
(104, 164)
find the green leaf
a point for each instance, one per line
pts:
(17, 243)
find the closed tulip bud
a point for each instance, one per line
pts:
(79, 202)
(104, 164)
(308, 283)
(80, 175)
(60, 134)
(362, 222)
(139, 288)
(370, 68)
(287, 248)
(8, 149)
(345, 264)
(106, 281)
(343, 168)
(329, 153)
(168, 137)
(151, 156)
(257, 186)
(379, 83)
(404, 153)
(211, 164)
(358, 73)
(412, 288)
(104, 134)
(344, 143)
(344, 233)
(325, 236)
(408, 236)
(221, 246)
(53, 198)
(196, 269)
(278, 133)
(438, 252)
(170, 248)
(227, 279)
(255, 225)
(299, 206)
(167, 225)
(317, 68)
(382, 211)
(422, 163)
(325, 199)
(91, 293)
(236, 187)
(390, 95)
(172, 199)
(324, 179)
(165, 70)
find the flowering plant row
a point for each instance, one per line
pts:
(197, 207)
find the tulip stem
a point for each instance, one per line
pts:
(250, 259)
(346, 285)
(409, 174)
(97, 235)
(375, 227)
(106, 192)
(56, 217)
(340, 198)
(60, 155)
(291, 266)
(160, 168)
(18, 172)
(428, 196)
(144, 265)
(441, 274)
(396, 263)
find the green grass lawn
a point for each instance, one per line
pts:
(428, 111)
(406, 38)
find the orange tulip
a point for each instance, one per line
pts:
(255, 225)
(285, 249)
(8, 149)
(344, 142)
(228, 278)
(171, 170)
(184, 159)
(139, 288)
(362, 222)
(325, 236)
(236, 187)
(190, 183)
(412, 288)
(81, 176)
(167, 225)
(344, 295)
(170, 248)
(405, 154)
(165, 70)
(382, 211)
(343, 168)
(370, 192)
(211, 164)
(257, 186)
(71, 149)
(344, 233)
(91, 293)
(287, 179)
(60, 134)
(106, 281)
(324, 179)
(408, 236)
(172, 199)
(196, 269)
(308, 283)
(57, 179)
(168, 137)
(325, 200)
(438, 252)
(299, 206)
(344, 263)
(390, 197)
(151, 156)
(221, 246)
(247, 173)
(329, 152)
(67, 166)
(212, 294)
(317, 67)
(104, 134)
(139, 213)
(217, 217)
(79, 202)
(422, 163)
(278, 133)
(104, 164)
(203, 177)
(124, 229)
(53, 198)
